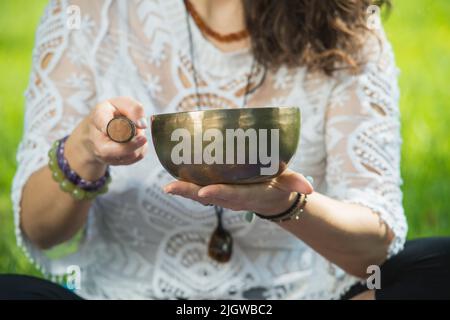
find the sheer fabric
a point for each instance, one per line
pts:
(142, 243)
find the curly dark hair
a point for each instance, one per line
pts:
(320, 34)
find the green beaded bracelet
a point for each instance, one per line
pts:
(66, 185)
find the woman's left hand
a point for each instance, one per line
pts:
(267, 198)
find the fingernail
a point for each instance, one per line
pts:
(142, 123)
(167, 190)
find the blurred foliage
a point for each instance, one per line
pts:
(420, 34)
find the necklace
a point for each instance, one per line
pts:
(201, 24)
(220, 245)
(195, 74)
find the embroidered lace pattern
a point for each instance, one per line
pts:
(142, 243)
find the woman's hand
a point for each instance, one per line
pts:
(268, 198)
(89, 149)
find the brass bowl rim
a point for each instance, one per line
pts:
(223, 109)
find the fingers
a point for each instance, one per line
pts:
(227, 196)
(104, 148)
(191, 191)
(270, 197)
(198, 193)
(289, 181)
(114, 153)
(224, 192)
(118, 155)
(131, 109)
(124, 106)
(234, 197)
(131, 158)
(102, 114)
(185, 189)
(260, 197)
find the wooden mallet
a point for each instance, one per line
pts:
(121, 129)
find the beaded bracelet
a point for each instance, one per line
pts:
(293, 212)
(69, 181)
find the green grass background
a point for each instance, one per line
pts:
(420, 33)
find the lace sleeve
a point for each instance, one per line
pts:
(61, 92)
(363, 139)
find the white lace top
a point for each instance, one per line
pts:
(142, 243)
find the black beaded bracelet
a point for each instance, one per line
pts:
(286, 215)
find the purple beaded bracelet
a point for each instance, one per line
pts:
(73, 177)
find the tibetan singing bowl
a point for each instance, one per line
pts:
(235, 146)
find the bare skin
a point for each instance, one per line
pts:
(48, 222)
(350, 236)
(223, 16)
(366, 295)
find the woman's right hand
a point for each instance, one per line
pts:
(89, 149)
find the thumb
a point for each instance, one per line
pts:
(292, 181)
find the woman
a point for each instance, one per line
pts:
(145, 237)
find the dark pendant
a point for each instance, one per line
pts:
(220, 246)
